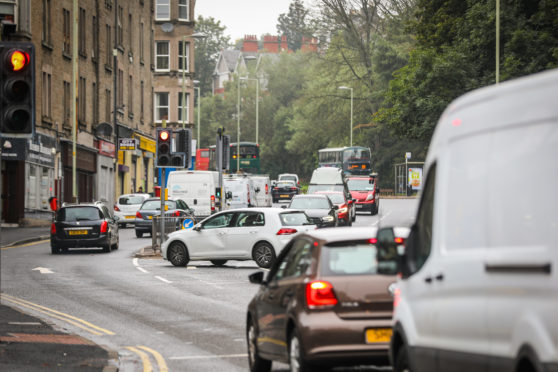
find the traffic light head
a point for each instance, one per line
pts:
(163, 150)
(17, 90)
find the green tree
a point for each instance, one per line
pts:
(295, 24)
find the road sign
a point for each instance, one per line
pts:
(187, 224)
(127, 144)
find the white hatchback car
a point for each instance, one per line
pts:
(127, 206)
(257, 234)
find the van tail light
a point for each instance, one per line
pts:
(116, 208)
(396, 297)
(212, 203)
(138, 215)
(285, 231)
(248, 194)
(266, 189)
(320, 294)
(53, 229)
(104, 227)
(399, 240)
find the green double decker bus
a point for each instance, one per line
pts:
(249, 159)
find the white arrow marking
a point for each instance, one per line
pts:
(43, 270)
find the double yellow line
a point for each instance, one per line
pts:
(91, 328)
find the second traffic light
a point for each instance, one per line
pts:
(17, 91)
(183, 140)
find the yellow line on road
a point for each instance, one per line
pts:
(91, 328)
(25, 245)
(144, 359)
(158, 357)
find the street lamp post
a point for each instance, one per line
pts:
(257, 104)
(351, 89)
(199, 99)
(238, 128)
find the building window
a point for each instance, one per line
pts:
(95, 36)
(163, 56)
(130, 95)
(183, 54)
(108, 50)
(46, 22)
(67, 98)
(82, 100)
(81, 32)
(94, 104)
(183, 10)
(119, 31)
(142, 100)
(162, 10)
(130, 34)
(47, 95)
(108, 105)
(120, 87)
(141, 43)
(67, 34)
(161, 107)
(185, 108)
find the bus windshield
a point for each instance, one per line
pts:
(356, 154)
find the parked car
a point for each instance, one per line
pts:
(126, 207)
(344, 206)
(479, 285)
(257, 234)
(366, 191)
(327, 301)
(152, 207)
(284, 190)
(319, 208)
(289, 177)
(84, 225)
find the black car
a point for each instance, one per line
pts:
(84, 225)
(318, 207)
(151, 208)
(284, 190)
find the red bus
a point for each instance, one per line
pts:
(202, 159)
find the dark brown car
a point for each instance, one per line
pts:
(327, 300)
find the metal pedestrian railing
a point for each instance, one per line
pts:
(171, 224)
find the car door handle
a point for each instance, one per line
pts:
(428, 279)
(439, 277)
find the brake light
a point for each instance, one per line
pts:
(396, 297)
(138, 215)
(248, 194)
(176, 214)
(285, 231)
(293, 188)
(266, 189)
(212, 203)
(320, 294)
(373, 241)
(104, 227)
(53, 229)
(116, 208)
(399, 240)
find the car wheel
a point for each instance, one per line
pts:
(296, 354)
(177, 254)
(401, 360)
(115, 246)
(255, 363)
(106, 248)
(354, 218)
(264, 255)
(54, 249)
(218, 262)
(139, 234)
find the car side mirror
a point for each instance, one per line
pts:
(378, 190)
(284, 206)
(387, 241)
(197, 228)
(228, 195)
(256, 278)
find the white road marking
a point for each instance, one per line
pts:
(163, 279)
(380, 219)
(24, 323)
(209, 357)
(43, 270)
(137, 265)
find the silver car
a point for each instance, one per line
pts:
(127, 206)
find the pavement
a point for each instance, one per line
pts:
(28, 343)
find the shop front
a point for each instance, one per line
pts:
(86, 170)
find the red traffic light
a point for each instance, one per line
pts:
(164, 135)
(18, 60)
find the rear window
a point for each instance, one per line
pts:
(357, 259)
(336, 198)
(285, 184)
(309, 203)
(294, 219)
(79, 214)
(130, 200)
(288, 178)
(156, 205)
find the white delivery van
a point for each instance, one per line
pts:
(238, 192)
(479, 287)
(262, 187)
(196, 188)
(289, 177)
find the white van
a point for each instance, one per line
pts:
(262, 187)
(479, 287)
(289, 177)
(196, 188)
(238, 192)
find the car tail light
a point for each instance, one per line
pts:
(320, 294)
(53, 229)
(104, 227)
(293, 188)
(373, 241)
(285, 231)
(212, 203)
(138, 215)
(399, 240)
(396, 297)
(176, 214)
(248, 194)
(266, 189)
(116, 208)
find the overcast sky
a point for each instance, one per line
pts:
(244, 17)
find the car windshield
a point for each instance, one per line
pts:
(362, 184)
(130, 200)
(357, 259)
(294, 219)
(309, 203)
(315, 188)
(285, 184)
(155, 205)
(336, 198)
(79, 214)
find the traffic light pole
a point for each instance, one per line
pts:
(162, 208)
(220, 166)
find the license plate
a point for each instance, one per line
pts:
(149, 217)
(284, 196)
(359, 206)
(375, 335)
(77, 232)
(129, 217)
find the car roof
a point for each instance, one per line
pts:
(135, 194)
(308, 196)
(263, 210)
(340, 234)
